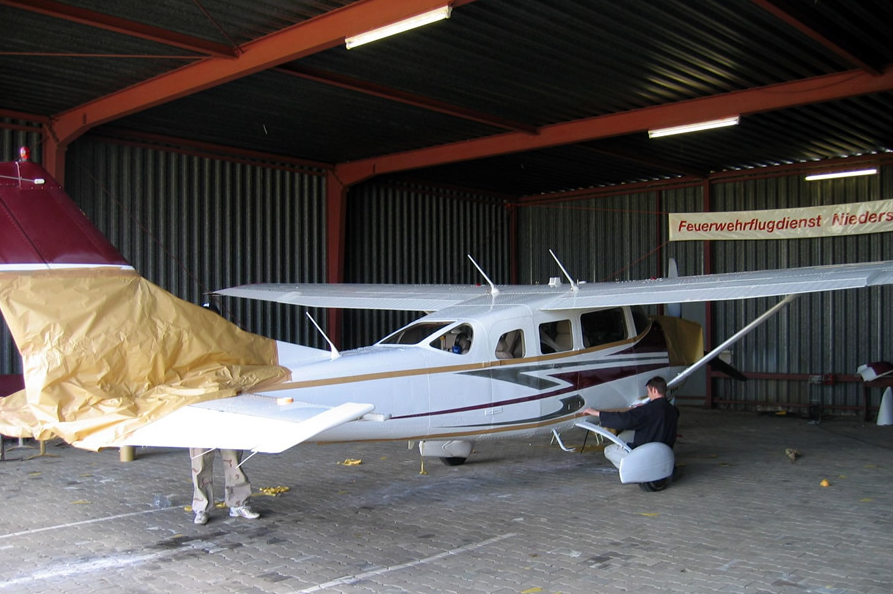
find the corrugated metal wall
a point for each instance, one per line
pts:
(193, 224)
(827, 333)
(15, 134)
(414, 234)
(623, 237)
(603, 238)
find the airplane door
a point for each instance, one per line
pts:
(458, 386)
(509, 344)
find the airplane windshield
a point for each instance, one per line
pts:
(415, 333)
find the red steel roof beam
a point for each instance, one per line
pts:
(21, 115)
(776, 9)
(177, 142)
(124, 26)
(761, 99)
(302, 39)
(376, 90)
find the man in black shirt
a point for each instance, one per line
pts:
(653, 421)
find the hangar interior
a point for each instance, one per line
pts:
(219, 143)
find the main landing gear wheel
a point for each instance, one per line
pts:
(660, 485)
(653, 486)
(453, 461)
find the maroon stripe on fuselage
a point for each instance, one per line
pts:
(652, 342)
(577, 380)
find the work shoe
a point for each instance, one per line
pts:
(243, 511)
(201, 518)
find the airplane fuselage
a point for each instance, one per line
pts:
(525, 372)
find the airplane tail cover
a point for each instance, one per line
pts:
(104, 351)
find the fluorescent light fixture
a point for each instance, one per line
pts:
(837, 174)
(731, 121)
(432, 16)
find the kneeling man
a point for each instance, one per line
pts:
(653, 421)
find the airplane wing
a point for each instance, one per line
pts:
(252, 422)
(722, 287)
(361, 296)
(682, 289)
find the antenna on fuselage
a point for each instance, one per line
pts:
(493, 290)
(574, 286)
(335, 353)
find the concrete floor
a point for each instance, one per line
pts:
(518, 518)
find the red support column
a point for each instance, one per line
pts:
(336, 226)
(659, 236)
(708, 307)
(54, 156)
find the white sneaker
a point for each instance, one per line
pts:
(243, 511)
(201, 518)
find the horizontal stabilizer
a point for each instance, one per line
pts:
(249, 422)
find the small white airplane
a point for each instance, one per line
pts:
(486, 362)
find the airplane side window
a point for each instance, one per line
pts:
(603, 326)
(556, 337)
(458, 340)
(510, 345)
(414, 333)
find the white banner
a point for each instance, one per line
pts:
(788, 223)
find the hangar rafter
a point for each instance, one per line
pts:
(761, 99)
(124, 26)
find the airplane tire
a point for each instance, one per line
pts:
(453, 461)
(654, 486)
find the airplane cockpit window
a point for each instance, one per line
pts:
(510, 345)
(603, 326)
(457, 340)
(556, 337)
(640, 318)
(414, 333)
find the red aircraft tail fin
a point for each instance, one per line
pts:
(104, 351)
(41, 227)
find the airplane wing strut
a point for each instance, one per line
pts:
(731, 340)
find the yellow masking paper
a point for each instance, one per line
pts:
(106, 352)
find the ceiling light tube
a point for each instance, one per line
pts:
(425, 18)
(730, 121)
(836, 174)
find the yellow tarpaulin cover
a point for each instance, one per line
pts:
(105, 352)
